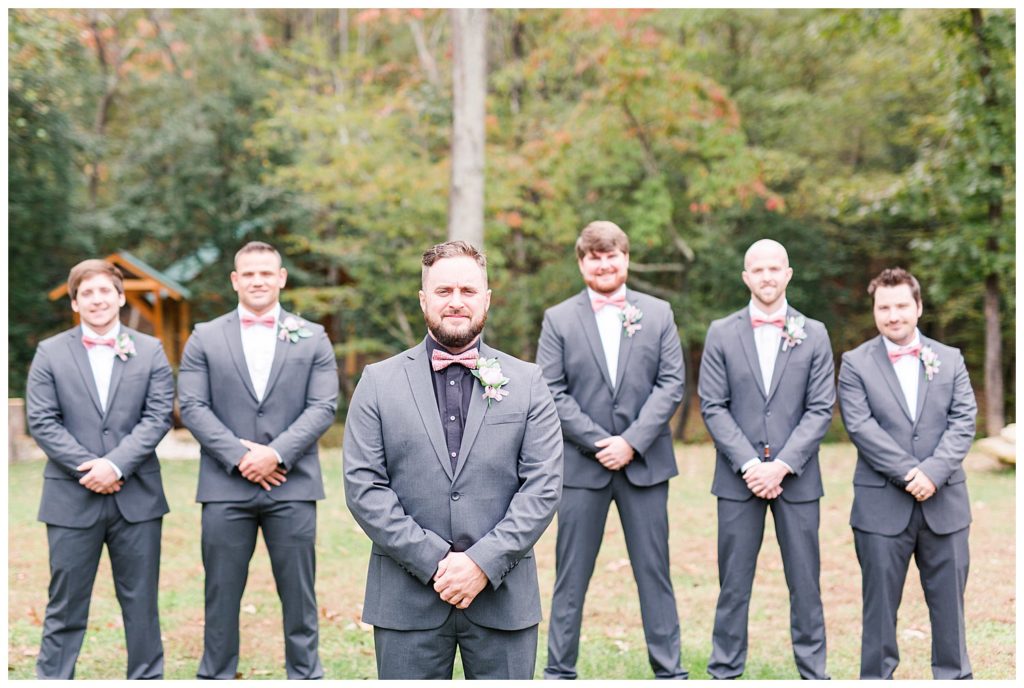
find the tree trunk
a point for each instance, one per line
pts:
(995, 416)
(469, 87)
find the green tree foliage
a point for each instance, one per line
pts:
(859, 138)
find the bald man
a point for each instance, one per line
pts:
(766, 394)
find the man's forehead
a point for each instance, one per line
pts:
(97, 280)
(257, 261)
(457, 271)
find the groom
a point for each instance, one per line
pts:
(453, 467)
(258, 387)
(100, 398)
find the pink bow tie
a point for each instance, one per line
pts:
(439, 360)
(599, 302)
(90, 342)
(897, 354)
(267, 320)
(778, 321)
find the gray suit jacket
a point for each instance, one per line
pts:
(219, 407)
(400, 488)
(792, 416)
(638, 407)
(65, 419)
(889, 444)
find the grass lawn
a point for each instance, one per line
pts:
(612, 646)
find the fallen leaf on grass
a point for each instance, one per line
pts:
(622, 645)
(33, 616)
(29, 652)
(249, 609)
(261, 672)
(328, 614)
(914, 633)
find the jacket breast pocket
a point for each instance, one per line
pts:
(501, 418)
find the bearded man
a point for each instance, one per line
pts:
(453, 467)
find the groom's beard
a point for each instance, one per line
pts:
(452, 337)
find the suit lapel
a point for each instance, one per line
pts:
(474, 418)
(281, 351)
(745, 333)
(233, 337)
(81, 359)
(417, 371)
(922, 386)
(881, 357)
(625, 349)
(781, 358)
(589, 325)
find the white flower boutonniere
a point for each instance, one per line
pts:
(631, 317)
(488, 372)
(793, 333)
(292, 329)
(124, 347)
(931, 362)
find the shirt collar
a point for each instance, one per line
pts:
(892, 346)
(275, 311)
(114, 331)
(781, 312)
(593, 294)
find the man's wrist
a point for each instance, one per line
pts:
(749, 464)
(117, 471)
(788, 467)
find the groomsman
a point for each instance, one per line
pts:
(908, 406)
(612, 360)
(100, 398)
(453, 467)
(258, 387)
(766, 393)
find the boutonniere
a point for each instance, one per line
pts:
(488, 372)
(793, 333)
(292, 329)
(631, 316)
(931, 362)
(124, 346)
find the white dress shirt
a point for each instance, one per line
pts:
(908, 372)
(101, 360)
(258, 344)
(767, 339)
(609, 326)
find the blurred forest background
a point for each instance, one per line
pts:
(861, 139)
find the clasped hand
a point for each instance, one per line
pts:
(458, 579)
(260, 466)
(615, 453)
(100, 477)
(919, 485)
(765, 479)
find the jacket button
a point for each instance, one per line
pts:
(260, 414)
(615, 405)
(768, 413)
(105, 431)
(455, 496)
(917, 437)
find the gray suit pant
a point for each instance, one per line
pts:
(740, 533)
(581, 521)
(943, 562)
(229, 538)
(487, 653)
(134, 550)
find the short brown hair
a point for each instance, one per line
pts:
(257, 247)
(893, 277)
(601, 235)
(452, 249)
(88, 268)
